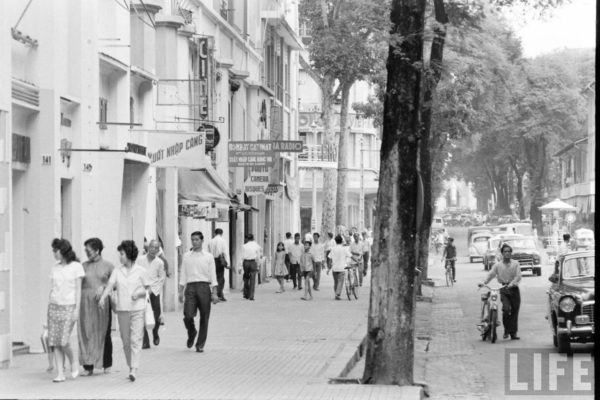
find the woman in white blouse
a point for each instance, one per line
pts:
(131, 282)
(63, 307)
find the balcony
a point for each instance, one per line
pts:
(25, 94)
(318, 156)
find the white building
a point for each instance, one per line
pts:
(102, 76)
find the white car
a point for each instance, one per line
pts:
(437, 223)
(478, 245)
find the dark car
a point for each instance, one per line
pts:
(524, 251)
(571, 300)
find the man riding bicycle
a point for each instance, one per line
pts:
(450, 256)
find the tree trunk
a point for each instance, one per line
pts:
(329, 174)
(536, 159)
(429, 144)
(390, 334)
(341, 213)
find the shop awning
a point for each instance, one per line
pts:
(204, 185)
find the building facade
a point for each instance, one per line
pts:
(88, 89)
(578, 167)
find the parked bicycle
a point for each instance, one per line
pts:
(490, 309)
(351, 282)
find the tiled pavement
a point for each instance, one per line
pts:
(277, 347)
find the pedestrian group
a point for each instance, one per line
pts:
(87, 294)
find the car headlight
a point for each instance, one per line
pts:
(567, 304)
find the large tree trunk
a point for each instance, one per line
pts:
(390, 333)
(429, 145)
(329, 174)
(341, 213)
(536, 159)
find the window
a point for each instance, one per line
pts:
(21, 148)
(131, 112)
(103, 113)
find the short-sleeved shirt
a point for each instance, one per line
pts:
(366, 245)
(295, 252)
(288, 244)
(64, 282)
(156, 272)
(318, 252)
(339, 257)
(306, 261)
(128, 281)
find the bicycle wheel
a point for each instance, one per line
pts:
(485, 322)
(448, 277)
(493, 325)
(348, 283)
(355, 286)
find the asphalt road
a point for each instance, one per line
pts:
(534, 329)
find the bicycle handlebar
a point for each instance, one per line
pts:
(491, 288)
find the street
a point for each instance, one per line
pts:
(467, 352)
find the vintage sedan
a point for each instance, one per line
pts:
(524, 251)
(571, 300)
(478, 245)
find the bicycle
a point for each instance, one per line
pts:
(449, 274)
(489, 313)
(351, 282)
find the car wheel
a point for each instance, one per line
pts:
(471, 260)
(538, 271)
(563, 344)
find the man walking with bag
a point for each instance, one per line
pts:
(218, 248)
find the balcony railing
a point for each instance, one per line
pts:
(318, 156)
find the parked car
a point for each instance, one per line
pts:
(478, 245)
(489, 256)
(571, 299)
(521, 228)
(477, 229)
(524, 251)
(437, 223)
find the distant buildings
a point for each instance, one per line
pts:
(578, 167)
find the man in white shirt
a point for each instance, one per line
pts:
(318, 252)
(329, 244)
(251, 253)
(198, 283)
(339, 256)
(219, 249)
(295, 251)
(156, 273)
(366, 248)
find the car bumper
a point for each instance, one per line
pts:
(577, 331)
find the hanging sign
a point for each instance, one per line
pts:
(174, 149)
(257, 181)
(250, 154)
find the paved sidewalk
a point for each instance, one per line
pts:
(277, 347)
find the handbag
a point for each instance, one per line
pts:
(149, 314)
(223, 260)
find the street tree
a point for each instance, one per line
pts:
(345, 35)
(390, 341)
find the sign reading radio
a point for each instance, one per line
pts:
(261, 153)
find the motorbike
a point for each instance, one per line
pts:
(490, 310)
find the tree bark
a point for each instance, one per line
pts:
(329, 174)
(430, 143)
(390, 335)
(341, 213)
(536, 160)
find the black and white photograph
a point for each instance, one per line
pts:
(297, 199)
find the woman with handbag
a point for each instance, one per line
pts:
(131, 282)
(63, 307)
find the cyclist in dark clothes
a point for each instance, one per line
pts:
(450, 256)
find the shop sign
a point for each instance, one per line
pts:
(276, 122)
(250, 154)
(174, 149)
(289, 146)
(257, 181)
(272, 191)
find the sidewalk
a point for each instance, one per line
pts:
(277, 347)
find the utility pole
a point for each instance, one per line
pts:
(311, 152)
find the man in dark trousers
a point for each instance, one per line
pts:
(218, 248)
(508, 274)
(198, 284)
(251, 253)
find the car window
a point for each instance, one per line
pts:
(578, 267)
(481, 239)
(522, 244)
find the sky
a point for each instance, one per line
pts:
(570, 26)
